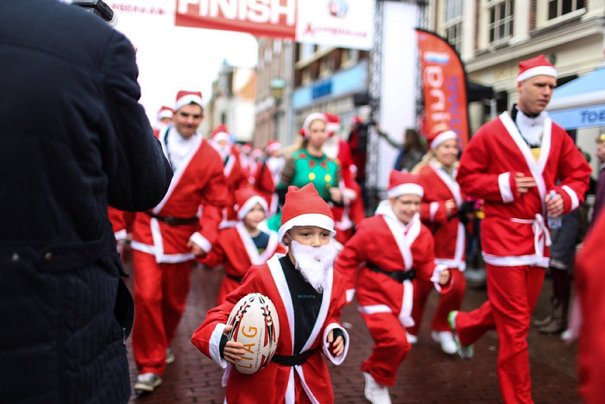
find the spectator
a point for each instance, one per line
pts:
(73, 138)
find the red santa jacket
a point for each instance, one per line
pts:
(197, 189)
(590, 278)
(276, 383)
(514, 232)
(384, 242)
(236, 250)
(448, 233)
(121, 222)
(235, 179)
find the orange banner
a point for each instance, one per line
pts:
(444, 86)
(275, 18)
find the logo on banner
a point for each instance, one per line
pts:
(338, 8)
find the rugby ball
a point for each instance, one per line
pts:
(256, 326)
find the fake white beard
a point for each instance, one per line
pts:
(314, 262)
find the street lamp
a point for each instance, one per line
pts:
(277, 87)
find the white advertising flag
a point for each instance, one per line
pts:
(340, 23)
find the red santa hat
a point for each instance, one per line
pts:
(304, 207)
(315, 116)
(272, 145)
(538, 66)
(246, 149)
(187, 97)
(220, 133)
(165, 112)
(404, 183)
(438, 137)
(333, 123)
(246, 199)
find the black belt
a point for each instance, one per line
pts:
(174, 221)
(293, 360)
(235, 278)
(399, 276)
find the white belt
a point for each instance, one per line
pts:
(541, 232)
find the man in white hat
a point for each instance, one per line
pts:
(167, 238)
(308, 296)
(527, 170)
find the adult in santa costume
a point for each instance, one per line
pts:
(388, 251)
(308, 296)
(220, 139)
(351, 211)
(269, 173)
(167, 238)
(441, 205)
(309, 164)
(245, 159)
(244, 244)
(589, 287)
(526, 168)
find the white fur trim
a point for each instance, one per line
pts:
(201, 241)
(308, 219)
(332, 127)
(272, 147)
(215, 345)
(186, 100)
(575, 202)
(315, 116)
(374, 309)
(442, 137)
(406, 189)
(514, 261)
(164, 113)
(433, 209)
(538, 71)
(337, 360)
(249, 204)
(120, 235)
(350, 294)
(504, 184)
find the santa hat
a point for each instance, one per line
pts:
(256, 153)
(165, 112)
(220, 133)
(315, 116)
(304, 207)
(404, 183)
(333, 123)
(246, 148)
(438, 137)
(272, 145)
(187, 97)
(246, 199)
(538, 66)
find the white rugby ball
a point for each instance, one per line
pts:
(256, 326)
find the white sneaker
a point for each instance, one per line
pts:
(374, 392)
(412, 339)
(147, 382)
(170, 356)
(446, 340)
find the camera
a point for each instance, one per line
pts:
(98, 7)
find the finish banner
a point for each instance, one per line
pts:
(341, 23)
(443, 85)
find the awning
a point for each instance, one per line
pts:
(478, 92)
(581, 102)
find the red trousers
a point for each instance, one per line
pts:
(448, 301)
(160, 294)
(512, 295)
(390, 347)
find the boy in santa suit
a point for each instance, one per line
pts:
(308, 296)
(267, 176)
(220, 139)
(167, 239)
(526, 168)
(441, 205)
(243, 245)
(389, 251)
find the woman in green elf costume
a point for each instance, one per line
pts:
(310, 164)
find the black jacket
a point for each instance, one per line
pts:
(73, 138)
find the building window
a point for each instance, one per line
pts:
(453, 22)
(557, 8)
(500, 20)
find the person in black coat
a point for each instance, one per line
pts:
(73, 139)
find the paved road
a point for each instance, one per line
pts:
(427, 375)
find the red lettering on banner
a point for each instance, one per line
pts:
(275, 18)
